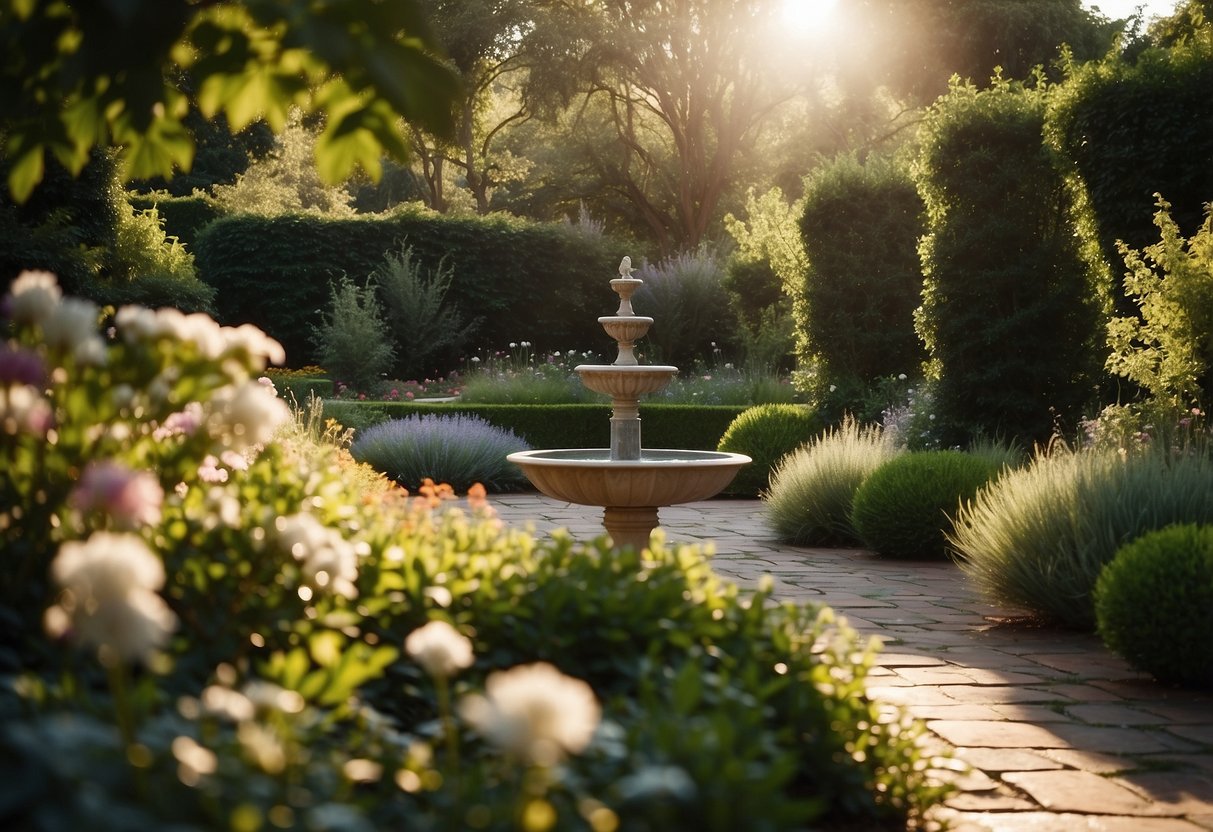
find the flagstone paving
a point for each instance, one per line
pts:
(1061, 734)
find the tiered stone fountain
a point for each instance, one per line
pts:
(630, 483)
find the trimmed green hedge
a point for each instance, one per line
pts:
(689, 427)
(542, 283)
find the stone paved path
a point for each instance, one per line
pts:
(1060, 733)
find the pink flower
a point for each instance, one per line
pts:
(209, 470)
(409, 395)
(130, 498)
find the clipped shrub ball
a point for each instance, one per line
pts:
(459, 450)
(1154, 605)
(809, 501)
(904, 508)
(766, 434)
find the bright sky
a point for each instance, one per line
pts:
(1123, 8)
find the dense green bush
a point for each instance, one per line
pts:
(458, 450)
(685, 296)
(1154, 604)
(184, 216)
(860, 226)
(687, 427)
(526, 280)
(1039, 536)
(83, 230)
(1134, 129)
(352, 340)
(423, 326)
(905, 507)
(1012, 315)
(809, 501)
(766, 434)
(1166, 348)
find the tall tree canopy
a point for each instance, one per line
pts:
(686, 86)
(75, 74)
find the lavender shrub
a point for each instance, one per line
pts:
(459, 449)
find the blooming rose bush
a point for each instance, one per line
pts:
(290, 642)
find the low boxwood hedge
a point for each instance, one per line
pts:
(689, 427)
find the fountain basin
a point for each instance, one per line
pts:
(625, 381)
(630, 491)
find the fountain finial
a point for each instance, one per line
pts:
(625, 267)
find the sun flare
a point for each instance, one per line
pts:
(807, 17)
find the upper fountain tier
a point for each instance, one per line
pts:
(625, 379)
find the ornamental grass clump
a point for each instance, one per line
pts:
(459, 450)
(1039, 536)
(809, 501)
(904, 509)
(1154, 605)
(766, 434)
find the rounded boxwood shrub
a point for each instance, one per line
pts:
(809, 501)
(904, 508)
(458, 450)
(766, 434)
(1154, 604)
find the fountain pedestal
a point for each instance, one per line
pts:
(630, 483)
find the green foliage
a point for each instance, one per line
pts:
(685, 296)
(1131, 130)
(423, 325)
(766, 434)
(84, 230)
(1168, 350)
(689, 427)
(274, 272)
(65, 228)
(183, 217)
(1011, 312)
(905, 507)
(280, 593)
(860, 226)
(458, 450)
(1154, 604)
(284, 181)
(352, 339)
(1039, 536)
(78, 80)
(809, 501)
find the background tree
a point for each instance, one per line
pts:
(685, 88)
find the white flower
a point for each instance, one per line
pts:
(109, 596)
(24, 410)
(327, 559)
(901, 376)
(33, 296)
(228, 704)
(439, 648)
(246, 415)
(249, 340)
(72, 327)
(130, 498)
(535, 712)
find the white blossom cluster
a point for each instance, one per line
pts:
(329, 562)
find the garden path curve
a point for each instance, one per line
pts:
(1061, 734)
